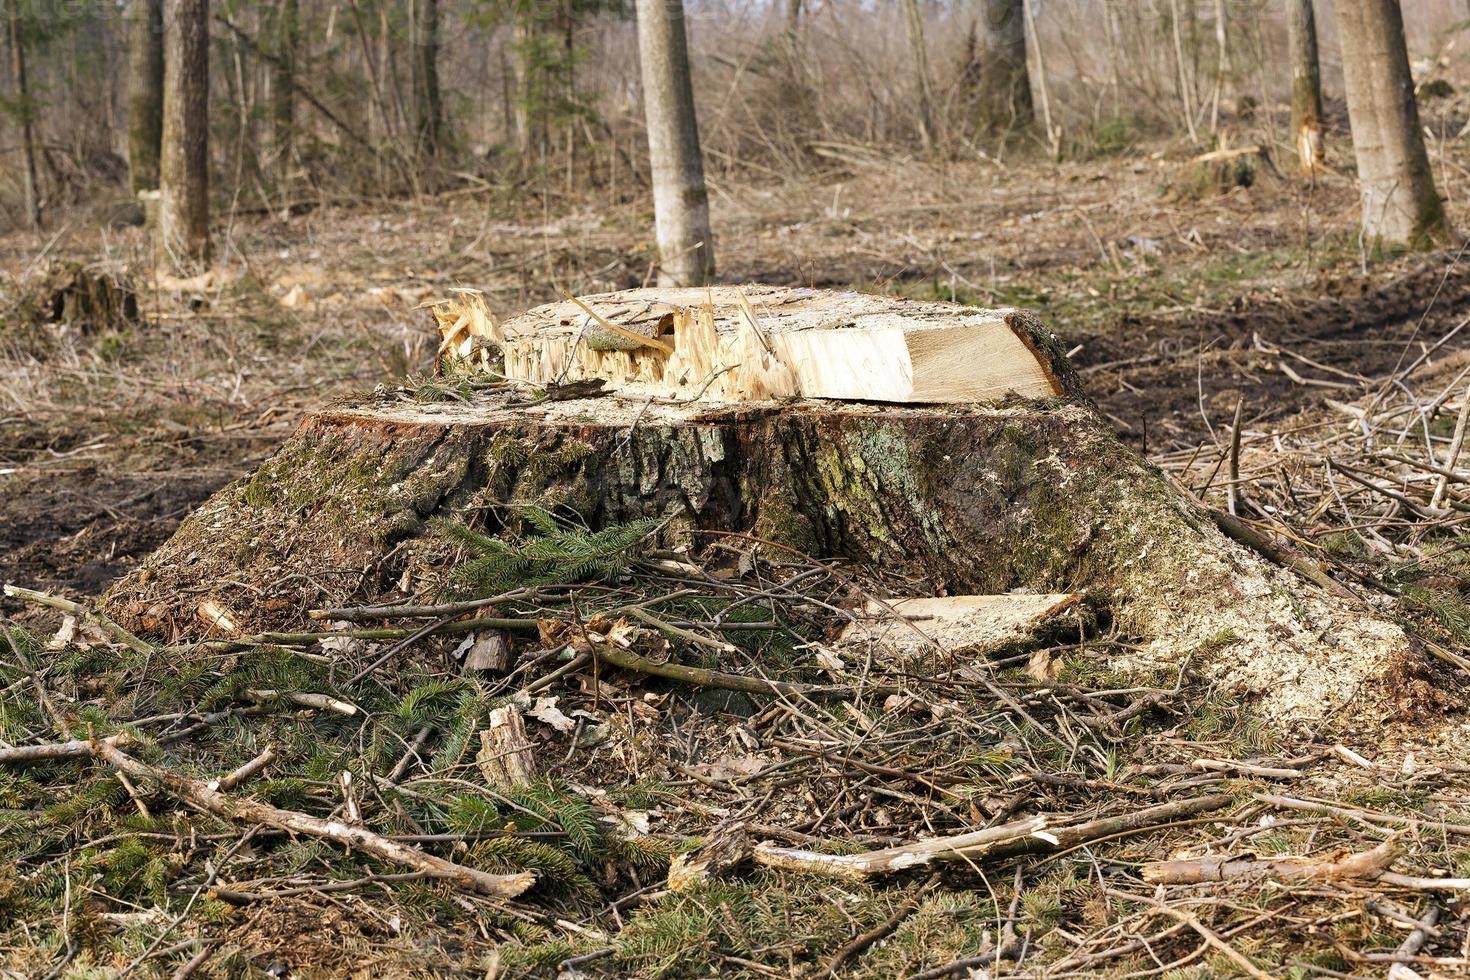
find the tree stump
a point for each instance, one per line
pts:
(1033, 494)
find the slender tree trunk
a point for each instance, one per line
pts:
(283, 85)
(27, 116)
(680, 200)
(145, 93)
(1222, 64)
(793, 15)
(1306, 84)
(1400, 203)
(184, 171)
(428, 107)
(1003, 94)
(920, 59)
(527, 66)
(1186, 99)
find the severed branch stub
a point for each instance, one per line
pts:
(356, 837)
(506, 758)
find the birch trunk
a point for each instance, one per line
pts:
(1400, 203)
(145, 93)
(680, 200)
(184, 171)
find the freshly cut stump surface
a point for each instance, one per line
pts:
(1019, 494)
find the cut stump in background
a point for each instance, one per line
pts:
(1033, 495)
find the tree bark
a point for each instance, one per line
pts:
(919, 58)
(427, 103)
(527, 66)
(680, 200)
(1400, 203)
(145, 93)
(27, 117)
(283, 86)
(1003, 89)
(184, 171)
(1306, 83)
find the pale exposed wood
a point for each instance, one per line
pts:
(758, 343)
(1367, 864)
(244, 772)
(355, 837)
(321, 702)
(967, 623)
(890, 860)
(506, 759)
(77, 748)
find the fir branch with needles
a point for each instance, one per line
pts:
(556, 554)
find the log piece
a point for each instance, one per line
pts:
(507, 756)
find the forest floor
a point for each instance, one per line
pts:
(1185, 311)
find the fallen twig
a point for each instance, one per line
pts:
(356, 837)
(134, 643)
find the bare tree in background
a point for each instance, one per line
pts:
(427, 105)
(1400, 203)
(1003, 87)
(680, 200)
(183, 217)
(1306, 84)
(527, 66)
(145, 93)
(283, 85)
(26, 114)
(918, 52)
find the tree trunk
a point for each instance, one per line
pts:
(183, 216)
(1400, 203)
(283, 86)
(680, 200)
(1306, 84)
(145, 93)
(27, 117)
(914, 22)
(527, 60)
(427, 104)
(1003, 90)
(1035, 495)
(793, 16)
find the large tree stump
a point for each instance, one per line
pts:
(1031, 494)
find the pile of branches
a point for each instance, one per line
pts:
(596, 755)
(1369, 500)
